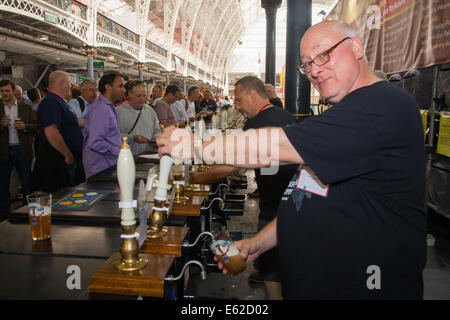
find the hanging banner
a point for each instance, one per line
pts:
(399, 35)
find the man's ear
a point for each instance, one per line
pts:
(357, 48)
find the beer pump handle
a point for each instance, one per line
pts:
(126, 175)
(165, 166)
(150, 178)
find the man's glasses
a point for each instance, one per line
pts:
(238, 101)
(320, 59)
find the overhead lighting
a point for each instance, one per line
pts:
(43, 37)
(111, 57)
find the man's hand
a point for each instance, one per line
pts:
(19, 125)
(140, 139)
(250, 250)
(175, 142)
(5, 122)
(69, 158)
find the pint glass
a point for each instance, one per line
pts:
(39, 215)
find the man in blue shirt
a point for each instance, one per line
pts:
(58, 158)
(80, 105)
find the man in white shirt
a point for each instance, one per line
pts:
(137, 120)
(193, 94)
(179, 109)
(88, 89)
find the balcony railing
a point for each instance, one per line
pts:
(71, 6)
(116, 29)
(192, 67)
(155, 48)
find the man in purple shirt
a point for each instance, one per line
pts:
(102, 140)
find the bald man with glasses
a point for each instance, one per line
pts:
(351, 223)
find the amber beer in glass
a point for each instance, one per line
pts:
(39, 215)
(230, 256)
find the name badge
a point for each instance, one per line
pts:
(308, 181)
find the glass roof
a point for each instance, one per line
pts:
(211, 29)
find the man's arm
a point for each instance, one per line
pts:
(56, 140)
(214, 175)
(244, 149)
(259, 148)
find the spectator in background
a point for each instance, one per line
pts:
(74, 92)
(44, 92)
(137, 120)
(35, 96)
(162, 108)
(102, 139)
(193, 94)
(18, 93)
(179, 109)
(156, 94)
(198, 104)
(209, 103)
(58, 157)
(18, 124)
(273, 98)
(80, 105)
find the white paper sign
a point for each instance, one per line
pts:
(308, 181)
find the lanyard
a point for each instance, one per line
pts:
(265, 107)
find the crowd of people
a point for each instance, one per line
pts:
(60, 136)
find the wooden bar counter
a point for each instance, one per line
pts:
(188, 209)
(171, 243)
(148, 282)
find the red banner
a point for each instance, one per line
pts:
(399, 35)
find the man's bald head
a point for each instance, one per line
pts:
(344, 67)
(59, 83)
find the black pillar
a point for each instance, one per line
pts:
(297, 97)
(271, 7)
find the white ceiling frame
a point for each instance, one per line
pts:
(215, 32)
(190, 33)
(225, 48)
(199, 49)
(223, 36)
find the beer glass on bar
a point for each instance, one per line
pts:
(39, 215)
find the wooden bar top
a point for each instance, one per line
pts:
(201, 190)
(148, 282)
(171, 243)
(189, 209)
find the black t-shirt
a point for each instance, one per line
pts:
(271, 187)
(54, 110)
(369, 148)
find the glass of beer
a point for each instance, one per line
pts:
(39, 215)
(230, 256)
